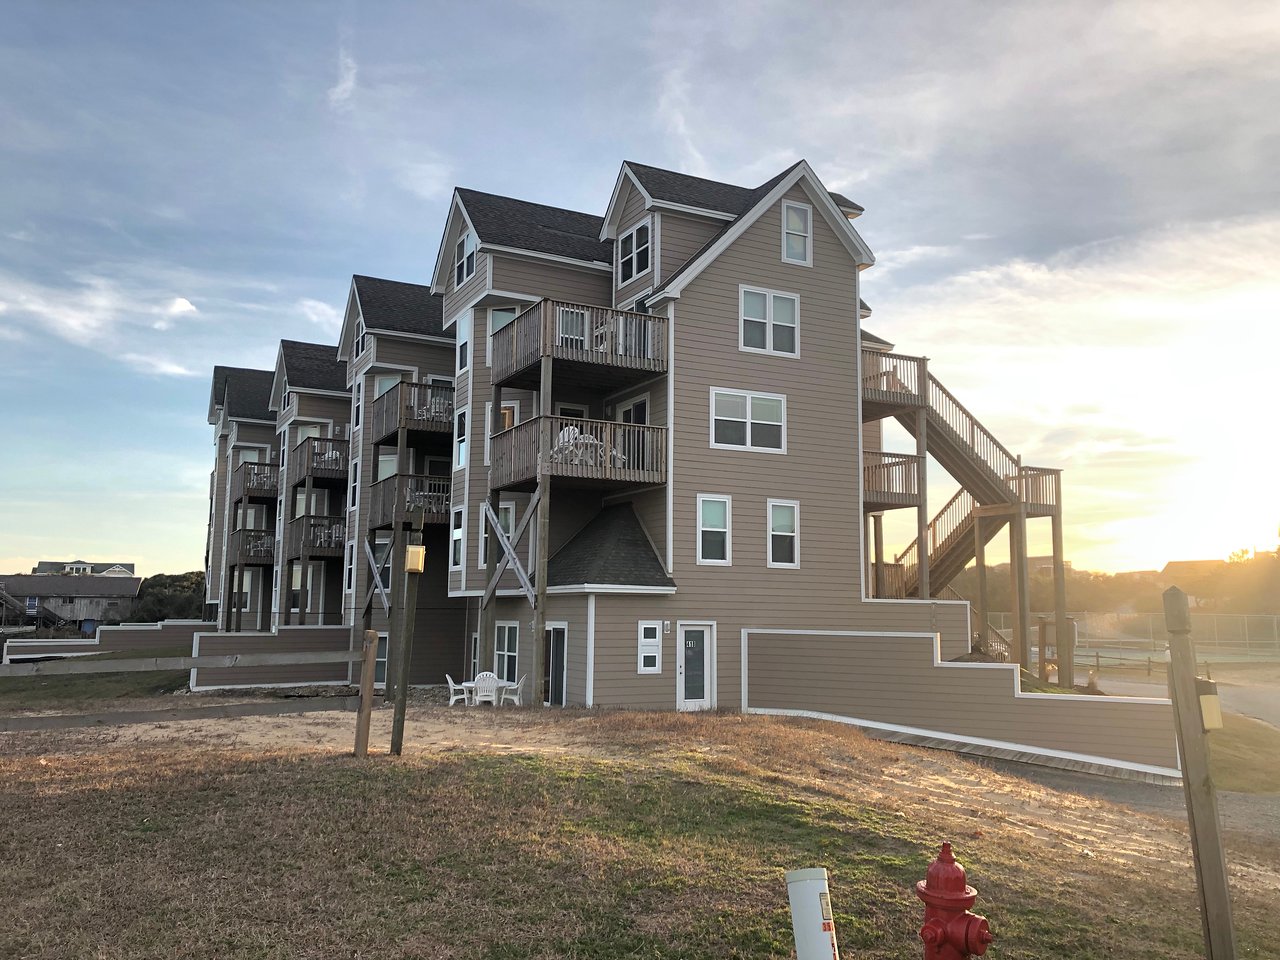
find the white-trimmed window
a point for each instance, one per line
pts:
(457, 538)
(634, 253)
(506, 647)
(784, 533)
(382, 557)
(649, 646)
(464, 259)
(462, 333)
(360, 338)
(715, 529)
(748, 421)
(384, 382)
(499, 317)
(797, 233)
(357, 403)
(509, 418)
(768, 321)
(460, 440)
(351, 566)
(380, 661)
(506, 519)
(355, 485)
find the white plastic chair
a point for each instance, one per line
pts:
(514, 694)
(486, 688)
(457, 692)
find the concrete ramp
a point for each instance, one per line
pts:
(899, 685)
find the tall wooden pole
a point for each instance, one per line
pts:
(404, 649)
(980, 614)
(877, 520)
(368, 667)
(544, 536)
(1065, 634)
(486, 638)
(1202, 804)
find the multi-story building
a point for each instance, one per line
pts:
(627, 441)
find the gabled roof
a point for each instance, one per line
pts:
(68, 585)
(313, 366)
(244, 393)
(59, 566)
(400, 307)
(611, 549)
(507, 222)
(871, 338)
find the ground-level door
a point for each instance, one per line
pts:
(553, 651)
(695, 649)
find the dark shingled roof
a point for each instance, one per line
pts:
(506, 222)
(611, 548)
(400, 307)
(57, 566)
(313, 366)
(57, 585)
(711, 194)
(248, 395)
(869, 337)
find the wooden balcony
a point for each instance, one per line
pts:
(891, 383)
(598, 347)
(587, 452)
(394, 499)
(324, 461)
(255, 481)
(416, 406)
(891, 480)
(251, 548)
(316, 537)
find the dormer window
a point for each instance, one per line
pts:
(633, 253)
(797, 233)
(465, 266)
(360, 336)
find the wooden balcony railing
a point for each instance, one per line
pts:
(1040, 488)
(891, 478)
(583, 449)
(320, 459)
(892, 378)
(417, 406)
(980, 441)
(391, 499)
(255, 480)
(315, 536)
(577, 331)
(250, 547)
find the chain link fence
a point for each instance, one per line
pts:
(1245, 636)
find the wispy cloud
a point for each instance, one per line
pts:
(341, 93)
(324, 315)
(158, 366)
(673, 116)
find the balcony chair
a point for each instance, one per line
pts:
(457, 692)
(486, 689)
(514, 695)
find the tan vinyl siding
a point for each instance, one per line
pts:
(216, 563)
(681, 237)
(617, 682)
(633, 212)
(171, 638)
(893, 680)
(292, 639)
(455, 298)
(544, 278)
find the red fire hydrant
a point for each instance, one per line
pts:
(950, 931)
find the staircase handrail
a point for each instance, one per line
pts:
(956, 416)
(994, 645)
(941, 528)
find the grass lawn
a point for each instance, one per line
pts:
(75, 691)
(655, 836)
(1245, 755)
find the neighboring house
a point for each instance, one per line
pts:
(85, 601)
(84, 568)
(670, 409)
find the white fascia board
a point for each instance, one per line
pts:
(843, 228)
(492, 248)
(344, 394)
(348, 319)
(611, 588)
(674, 207)
(439, 275)
(613, 212)
(381, 332)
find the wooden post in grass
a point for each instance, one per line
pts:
(368, 666)
(1202, 804)
(413, 561)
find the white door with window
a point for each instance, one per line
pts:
(695, 653)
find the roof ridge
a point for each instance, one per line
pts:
(530, 203)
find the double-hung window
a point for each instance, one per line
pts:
(768, 321)
(784, 533)
(748, 421)
(506, 519)
(460, 440)
(634, 253)
(359, 338)
(462, 333)
(797, 233)
(649, 647)
(715, 529)
(506, 646)
(464, 259)
(457, 539)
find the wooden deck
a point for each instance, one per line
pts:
(891, 480)
(318, 537)
(394, 499)
(322, 460)
(255, 481)
(426, 407)
(251, 548)
(587, 452)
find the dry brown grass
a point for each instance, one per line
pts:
(569, 835)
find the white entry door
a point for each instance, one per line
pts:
(695, 652)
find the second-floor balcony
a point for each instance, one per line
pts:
(891, 480)
(321, 459)
(396, 499)
(891, 382)
(594, 344)
(255, 481)
(251, 547)
(315, 537)
(586, 451)
(416, 406)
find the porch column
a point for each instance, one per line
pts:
(1021, 589)
(488, 611)
(1066, 640)
(979, 607)
(544, 534)
(237, 582)
(877, 522)
(286, 587)
(922, 451)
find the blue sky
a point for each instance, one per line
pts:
(1075, 210)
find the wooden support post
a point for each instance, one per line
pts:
(1202, 804)
(878, 521)
(264, 600)
(537, 697)
(237, 583)
(1066, 638)
(304, 599)
(368, 666)
(922, 510)
(488, 610)
(404, 650)
(1042, 628)
(980, 607)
